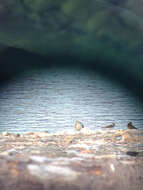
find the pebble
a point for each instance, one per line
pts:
(12, 151)
(9, 152)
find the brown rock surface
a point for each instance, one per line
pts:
(95, 160)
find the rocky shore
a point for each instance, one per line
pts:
(88, 159)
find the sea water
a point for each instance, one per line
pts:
(52, 100)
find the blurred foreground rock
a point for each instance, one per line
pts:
(87, 159)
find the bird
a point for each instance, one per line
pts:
(131, 126)
(78, 125)
(110, 126)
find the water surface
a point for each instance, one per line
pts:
(52, 100)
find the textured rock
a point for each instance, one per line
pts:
(72, 161)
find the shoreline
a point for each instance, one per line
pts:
(89, 159)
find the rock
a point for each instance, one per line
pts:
(86, 131)
(14, 136)
(17, 135)
(80, 161)
(9, 152)
(30, 133)
(35, 152)
(132, 153)
(128, 137)
(124, 135)
(40, 134)
(12, 152)
(119, 137)
(43, 134)
(5, 153)
(68, 140)
(72, 153)
(36, 135)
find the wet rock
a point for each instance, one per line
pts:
(12, 151)
(73, 160)
(86, 131)
(125, 136)
(9, 152)
(131, 153)
(119, 137)
(40, 134)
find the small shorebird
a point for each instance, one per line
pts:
(79, 125)
(130, 126)
(110, 126)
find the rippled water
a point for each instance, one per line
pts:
(53, 100)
